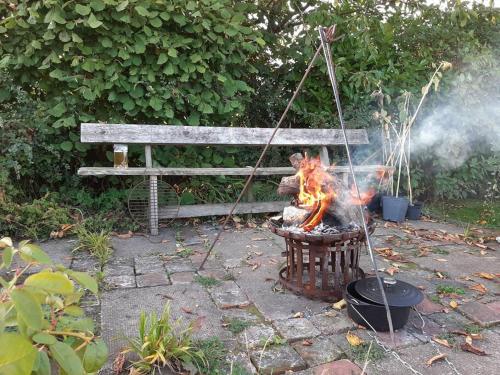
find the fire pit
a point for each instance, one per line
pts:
(322, 240)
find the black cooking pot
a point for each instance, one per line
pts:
(364, 300)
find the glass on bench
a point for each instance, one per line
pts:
(120, 156)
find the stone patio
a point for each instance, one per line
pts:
(286, 332)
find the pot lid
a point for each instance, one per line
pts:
(398, 293)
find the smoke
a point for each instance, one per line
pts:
(465, 124)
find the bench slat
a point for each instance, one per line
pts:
(213, 136)
(268, 171)
(197, 210)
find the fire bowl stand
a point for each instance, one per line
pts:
(320, 267)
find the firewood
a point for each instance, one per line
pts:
(289, 185)
(294, 215)
(296, 159)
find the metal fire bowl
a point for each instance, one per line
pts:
(317, 239)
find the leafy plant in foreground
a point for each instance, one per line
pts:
(41, 322)
(163, 342)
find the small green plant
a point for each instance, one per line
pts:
(229, 277)
(215, 354)
(97, 244)
(163, 342)
(448, 337)
(359, 352)
(236, 325)
(472, 329)
(273, 341)
(439, 250)
(449, 289)
(206, 281)
(434, 298)
(41, 322)
(185, 252)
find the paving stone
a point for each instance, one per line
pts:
(182, 277)
(113, 269)
(218, 274)
(296, 329)
(277, 360)
(179, 265)
(238, 362)
(402, 338)
(255, 336)
(427, 307)
(152, 279)
(450, 321)
(84, 264)
(340, 367)
(322, 350)
(240, 314)
(148, 264)
(117, 282)
(228, 294)
(485, 315)
(328, 324)
(232, 263)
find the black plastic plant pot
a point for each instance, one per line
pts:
(364, 310)
(394, 208)
(375, 204)
(414, 211)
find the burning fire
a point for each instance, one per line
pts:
(316, 190)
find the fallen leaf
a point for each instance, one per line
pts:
(482, 252)
(165, 241)
(299, 314)
(435, 358)
(446, 311)
(236, 219)
(441, 259)
(476, 336)
(421, 287)
(187, 310)
(440, 275)
(481, 246)
(235, 306)
(423, 252)
(340, 304)
(453, 304)
(392, 270)
(259, 239)
(258, 253)
(479, 288)
(485, 275)
(330, 313)
(269, 279)
(470, 348)
(468, 340)
(442, 342)
(125, 236)
(307, 343)
(353, 339)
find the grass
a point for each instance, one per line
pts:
(185, 252)
(236, 325)
(162, 342)
(206, 281)
(449, 289)
(472, 328)
(273, 341)
(438, 250)
(97, 244)
(450, 337)
(467, 211)
(215, 356)
(434, 298)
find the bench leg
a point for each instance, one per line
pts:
(153, 205)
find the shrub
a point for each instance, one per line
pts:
(162, 342)
(41, 322)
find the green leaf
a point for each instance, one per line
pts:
(66, 146)
(57, 110)
(193, 119)
(28, 308)
(85, 280)
(74, 310)
(122, 6)
(7, 257)
(142, 11)
(155, 103)
(52, 282)
(34, 253)
(169, 70)
(156, 22)
(128, 104)
(187, 198)
(172, 52)
(66, 357)
(162, 59)
(97, 5)
(44, 338)
(17, 356)
(83, 10)
(42, 364)
(93, 21)
(261, 42)
(95, 356)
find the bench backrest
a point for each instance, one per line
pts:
(206, 135)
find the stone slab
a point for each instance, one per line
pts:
(427, 307)
(328, 324)
(322, 350)
(182, 277)
(277, 360)
(485, 315)
(228, 295)
(118, 270)
(255, 336)
(339, 367)
(179, 265)
(296, 329)
(148, 264)
(152, 279)
(119, 282)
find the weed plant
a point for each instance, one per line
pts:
(97, 244)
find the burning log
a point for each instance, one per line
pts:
(295, 160)
(289, 185)
(294, 215)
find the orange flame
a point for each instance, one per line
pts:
(316, 192)
(364, 196)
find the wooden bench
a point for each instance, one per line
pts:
(157, 135)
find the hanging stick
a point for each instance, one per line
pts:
(333, 80)
(330, 32)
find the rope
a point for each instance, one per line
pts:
(330, 32)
